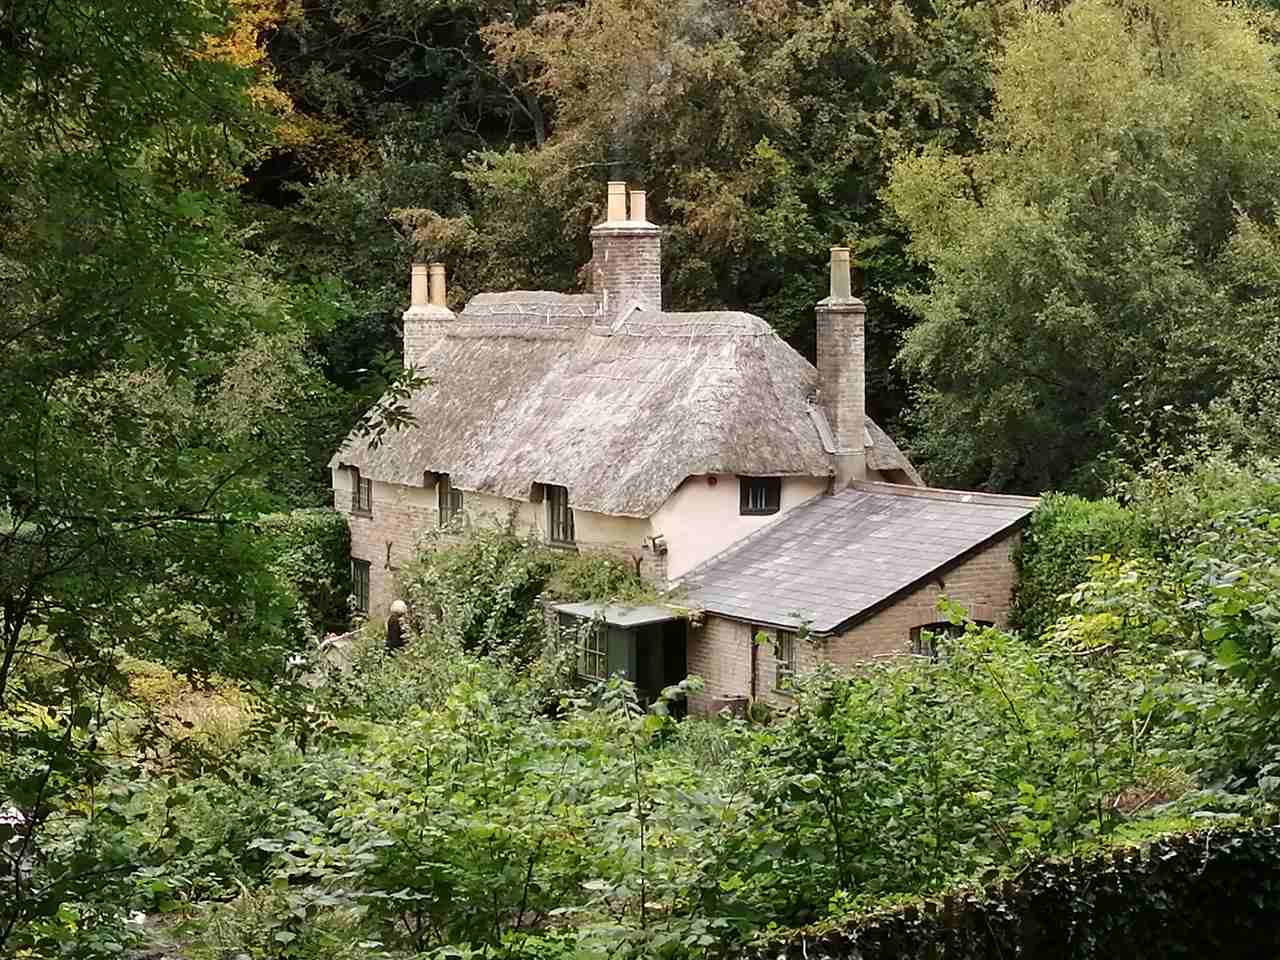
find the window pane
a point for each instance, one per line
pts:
(785, 655)
(559, 514)
(760, 495)
(360, 584)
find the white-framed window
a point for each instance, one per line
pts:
(450, 501)
(361, 493)
(759, 496)
(360, 584)
(784, 658)
(591, 644)
(559, 514)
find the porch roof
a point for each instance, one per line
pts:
(617, 615)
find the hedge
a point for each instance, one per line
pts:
(1202, 894)
(1064, 532)
(311, 556)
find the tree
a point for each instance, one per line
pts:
(1088, 260)
(761, 130)
(147, 364)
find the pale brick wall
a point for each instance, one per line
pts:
(387, 538)
(720, 651)
(626, 266)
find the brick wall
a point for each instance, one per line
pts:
(626, 266)
(720, 650)
(842, 381)
(720, 653)
(387, 537)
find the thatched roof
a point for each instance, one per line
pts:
(531, 387)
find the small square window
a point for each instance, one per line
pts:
(360, 584)
(784, 655)
(361, 493)
(559, 514)
(759, 496)
(450, 501)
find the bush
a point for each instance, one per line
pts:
(311, 557)
(1065, 531)
(1196, 895)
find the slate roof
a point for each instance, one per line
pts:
(836, 559)
(533, 387)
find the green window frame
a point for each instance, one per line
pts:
(360, 584)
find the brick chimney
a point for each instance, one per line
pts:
(842, 372)
(626, 255)
(427, 313)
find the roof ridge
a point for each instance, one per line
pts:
(979, 497)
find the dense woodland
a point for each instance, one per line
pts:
(1064, 224)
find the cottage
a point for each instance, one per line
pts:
(674, 440)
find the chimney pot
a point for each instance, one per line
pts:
(841, 289)
(637, 206)
(418, 285)
(617, 212)
(438, 290)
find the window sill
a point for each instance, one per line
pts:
(568, 546)
(757, 513)
(367, 514)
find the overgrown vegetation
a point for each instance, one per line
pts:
(204, 221)
(463, 798)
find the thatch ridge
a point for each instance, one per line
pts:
(527, 390)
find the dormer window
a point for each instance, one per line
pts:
(361, 494)
(759, 496)
(450, 501)
(559, 514)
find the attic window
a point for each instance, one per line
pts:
(450, 501)
(559, 514)
(759, 496)
(361, 494)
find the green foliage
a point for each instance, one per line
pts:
(1195, 895)
(914, 776)
(1095, 251)
(312, 560)
(1065, 532)
(482, 588)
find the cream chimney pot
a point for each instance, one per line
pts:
(438, 289)
(637, 206)
(840, 286)
(617, 201)
(418, 285)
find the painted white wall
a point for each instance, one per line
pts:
(701, 518)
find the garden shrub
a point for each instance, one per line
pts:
(1203, 894)
(310, 555)
(1064, 533)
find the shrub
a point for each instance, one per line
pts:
(311, 557)
(1065, 531)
